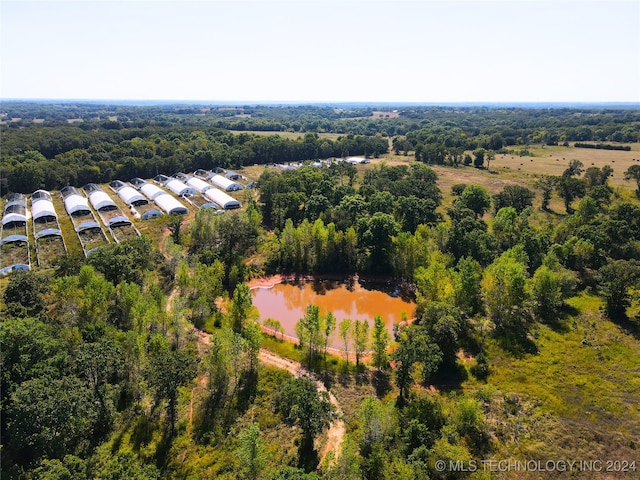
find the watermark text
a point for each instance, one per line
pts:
(558, 465)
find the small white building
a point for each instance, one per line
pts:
(222, 199)
(224, 183)
(130, 196)
(42, 209)
(40, 195)
(16, 199)
(162, 199)
(179, 188)
(14, 215)
(75, 204)
(200, 185)
(170, 205)
(101, 201)
(152, 191)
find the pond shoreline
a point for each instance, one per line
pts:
(271, 281)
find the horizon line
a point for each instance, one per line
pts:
(151, 102)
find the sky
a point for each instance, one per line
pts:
(304, 51)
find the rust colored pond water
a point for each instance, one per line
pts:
(287, 302)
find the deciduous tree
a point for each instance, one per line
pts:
(569, 188)
(346, 333)
(49, 417)
(251, 453)
(380, 343)
(361, 338)
(309, 333)
(545, 183)
(505, 294)
(241, 307)
(514, 196)
(300, 403)
(478, 160)
(633, 173)
(328, 327)
(476, 198)
(166, 372)
(24, 294)
(616, 278)
(546, 293)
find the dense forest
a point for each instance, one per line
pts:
(145, 360)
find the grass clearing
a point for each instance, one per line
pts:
(66, 226)
(553, 160)
(14, 253)
(283, 348)
(290, 135)
(576, 398)
(124, 232)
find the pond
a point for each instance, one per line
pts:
(287, 302)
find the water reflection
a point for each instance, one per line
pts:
(286, 302)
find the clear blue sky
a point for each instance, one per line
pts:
(322, 51)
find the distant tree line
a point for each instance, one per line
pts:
(123, 141)
(603, 146)
(50, 158)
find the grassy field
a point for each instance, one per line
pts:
(66, 226)
(293, 135)
(553, 160)
(577, 398)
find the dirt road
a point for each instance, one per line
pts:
(337, 430)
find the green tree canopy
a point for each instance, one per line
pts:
(167, 371)
(633, 173)
(300, 403)
(475, 198)
(515, 196)
(505, 293)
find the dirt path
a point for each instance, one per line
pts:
(162, 243)
(172, 295)
(337, 430)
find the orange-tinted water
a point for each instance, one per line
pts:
(287, 302)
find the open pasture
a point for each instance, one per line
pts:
(553, 160)
(291, 135)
